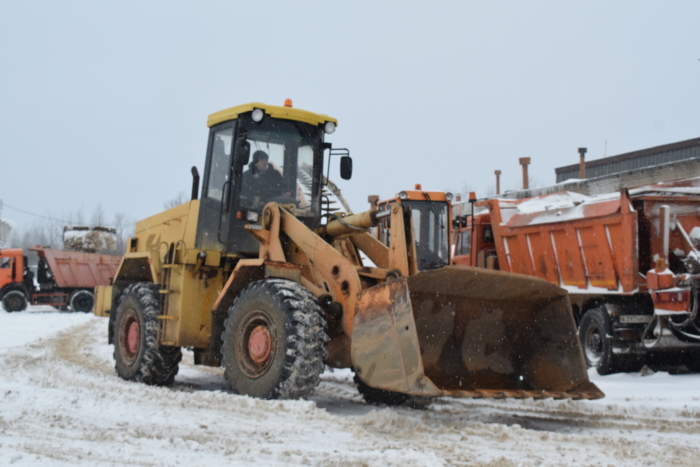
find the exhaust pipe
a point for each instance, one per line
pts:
(195, 183)
(665, 215)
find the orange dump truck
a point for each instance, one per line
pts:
(64, 278)
(629, 261)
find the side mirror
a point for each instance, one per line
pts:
(241, 152)
(346, 167)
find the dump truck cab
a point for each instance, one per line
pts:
(473, 241)
(16, 280)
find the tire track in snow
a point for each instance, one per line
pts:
(66, 405)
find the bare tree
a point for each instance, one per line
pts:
(533, 183)
(466, 188)
(125, 229)
(176, 201)
(98, 216)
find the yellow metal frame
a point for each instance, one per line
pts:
(286, 113)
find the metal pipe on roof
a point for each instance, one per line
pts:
(582, 163)
(525, 161)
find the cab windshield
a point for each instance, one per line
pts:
(430, 232)
(281, 167)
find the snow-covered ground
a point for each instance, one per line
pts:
(61, 403)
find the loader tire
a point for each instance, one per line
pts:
(14, 300)
(274, 341)
(595, 330)
(137, 355)
(380, 396)
(82, 300)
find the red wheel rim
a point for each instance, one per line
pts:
(132, 337)
(259, 344)
(255, 344)
(129, 337)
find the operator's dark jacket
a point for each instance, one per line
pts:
(259, 187)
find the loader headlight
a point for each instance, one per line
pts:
(258, 115)
(403, 195)
(329, 127)
(252, 216)
(448, 196)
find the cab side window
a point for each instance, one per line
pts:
(464, 242)
(220, 163)
(6, 263)
(488, 234)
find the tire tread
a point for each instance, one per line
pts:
(305, 326)
(160, 363)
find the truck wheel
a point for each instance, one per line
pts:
(597, 346)
(82, 300)
(137, 355)
(274, 341)
(14, 300)
(380, 396)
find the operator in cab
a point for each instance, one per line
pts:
(262, 182)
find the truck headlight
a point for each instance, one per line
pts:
(252, 216)
(448, 196)
(258, 115)
(403, 195)
(329, 127)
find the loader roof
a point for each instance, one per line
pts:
(275, 111)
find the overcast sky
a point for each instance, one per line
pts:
(106, 102)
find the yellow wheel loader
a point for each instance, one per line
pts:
(258, 276)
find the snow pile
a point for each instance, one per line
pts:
(89, 239)
(695, 236)
(557, 207)
(62, 404)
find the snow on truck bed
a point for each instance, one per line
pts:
(61, 403)
(566, 206)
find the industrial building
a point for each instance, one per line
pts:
(643, 167)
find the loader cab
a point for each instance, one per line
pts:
(430, 215)
(259, 154)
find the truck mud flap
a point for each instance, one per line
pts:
(468, 332)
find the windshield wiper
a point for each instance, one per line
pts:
(433, 208)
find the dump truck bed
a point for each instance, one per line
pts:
(584, 244)
(73, 269)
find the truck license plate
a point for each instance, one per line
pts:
(635, 318)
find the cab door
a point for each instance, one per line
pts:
(215, 206)
(7, 265)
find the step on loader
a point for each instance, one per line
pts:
(261, 277)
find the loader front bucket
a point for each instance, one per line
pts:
(468, 332)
